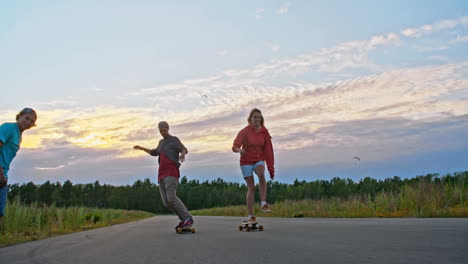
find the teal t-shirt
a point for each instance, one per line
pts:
(11, 139)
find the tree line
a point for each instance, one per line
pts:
(144, 195)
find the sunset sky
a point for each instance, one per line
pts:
(383, 81)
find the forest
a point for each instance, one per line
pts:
(144, 195)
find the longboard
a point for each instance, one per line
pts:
(250, 226)
(181, 230)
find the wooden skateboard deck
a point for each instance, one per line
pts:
(250, 226)
(181, 230)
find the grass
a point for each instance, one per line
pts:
(23, 223)
(31, 222)
(420, 200)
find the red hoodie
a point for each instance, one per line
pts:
(257, 146)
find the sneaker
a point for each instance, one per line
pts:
(187, 223)
(180, 224)
(252, 220)
(265, 208)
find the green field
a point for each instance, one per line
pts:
(420, 200)
(31, 222)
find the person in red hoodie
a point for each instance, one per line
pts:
(253, 143)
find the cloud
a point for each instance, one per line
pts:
(273, 47)
(335, 60)
(412, 93)
(50, 168)
(259, 13)
(56, 104)
(283, 9)
(380, 115)
(426, 49)
(424, 30)
(417, 32)
(376, 117)
(438, 58)
(459, 39)
(221, 53)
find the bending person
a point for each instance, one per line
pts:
(10, 141)
(171, 152)
(253, 143)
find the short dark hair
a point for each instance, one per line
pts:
(163, 124)
(26, 110)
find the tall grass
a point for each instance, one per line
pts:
(420, 200)
(31, 222)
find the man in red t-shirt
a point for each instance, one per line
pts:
(171, 152)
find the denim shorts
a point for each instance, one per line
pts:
(248, 170)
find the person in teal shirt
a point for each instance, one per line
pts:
(10, 141)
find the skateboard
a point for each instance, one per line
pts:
(250, 226)
(181, 230)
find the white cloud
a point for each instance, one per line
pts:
(221, 53)
(419, 32)
(379, 114)
(425, 49)
(274, 47)
(459, 39)
(50, 168)
(259, 13)
(334, 60)
(55, 104)
(283, 9)
(438, 58)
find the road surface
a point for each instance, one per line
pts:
(285, 240)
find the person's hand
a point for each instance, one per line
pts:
(272, 176)
(137, 147)
(182, 158)
(3, 181)
(241, 151)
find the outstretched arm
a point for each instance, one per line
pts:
(149, 151)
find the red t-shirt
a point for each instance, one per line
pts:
(167, 167)
(168, 151)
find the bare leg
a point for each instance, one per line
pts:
(250, 193)
(262, 186)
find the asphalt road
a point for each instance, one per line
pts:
(218, 240)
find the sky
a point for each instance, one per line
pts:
(385, 81)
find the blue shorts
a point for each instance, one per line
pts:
(248, 170)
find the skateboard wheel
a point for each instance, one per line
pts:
(193, 230)
(260, 228)
(179, 230)
(248, 229)
(240, 228)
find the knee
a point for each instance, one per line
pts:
(167, 203)
(170, 202)
(261, 178)
(260, 174)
